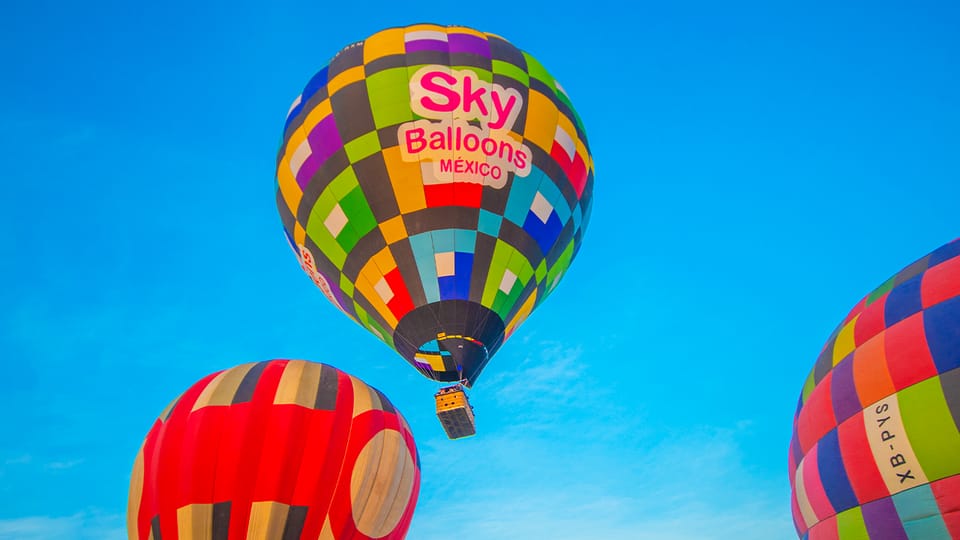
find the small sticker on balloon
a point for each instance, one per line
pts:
(308, 264)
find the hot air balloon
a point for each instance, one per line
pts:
(876, 448)
(435, 183)
(276, 450)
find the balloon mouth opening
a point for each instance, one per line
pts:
(450, 340)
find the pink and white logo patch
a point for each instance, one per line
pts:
(452, 149)
(307, 262)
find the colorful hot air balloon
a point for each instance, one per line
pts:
(435, 183)
(276, 450)
(876, 449)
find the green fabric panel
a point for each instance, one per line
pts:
(541, 271)
(346, 285)
(363, 146)
(880, 291)
(389, 92)
(360, 219)
(808, 386)
(537, 71)
(851, 526)
(930, 428)
(520, 266)
(498, 263)
(514, 72)
(482, 74)
(341, 186)
(562, 264)
(319, 233)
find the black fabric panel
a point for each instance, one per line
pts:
(419, 58)
(249, 383)
(950, 381)
(441, 217)
(296, 518)
(368, 246)
(155, 527)
(501, 49)
(482, 255)
(407, 263)
(384, 63)
(522, 241)
(327, 389)
(221, 521)
(349, 57)
(351, 108)
(375, 183)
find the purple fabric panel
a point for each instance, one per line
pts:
(324, 141)
(882, 520)
(310, 166)
(843, 392)
(426, 45)
(466, 43)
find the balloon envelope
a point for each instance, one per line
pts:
(876, 449)
(435, 183)
(276, 450)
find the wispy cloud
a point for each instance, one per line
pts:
(22, 459)
(579, 463)
(88, 525)
(67, 464)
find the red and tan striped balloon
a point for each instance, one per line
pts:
(282, 449)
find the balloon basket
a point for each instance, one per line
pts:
(455, 412)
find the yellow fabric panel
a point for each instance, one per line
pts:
(806, 510)
(195, 521)
(344, 78)
(135, 496)
(892, 423)
(393, 229)
(435, 361)
(584, 154)
(425, 26)
(327, 532)
(222, 388)
(406, 179)
(299, 384)
(522, 313)
(363, 477)
(286, 180)
(384, 261)
(566, 125)
(287, 183)
(541, 124)
(384, 43)
(844, 344)
(369, 276)
(374, 511)
(402, 492)
(299, 233)
(267, 519)
(318, 113)
(362, 397)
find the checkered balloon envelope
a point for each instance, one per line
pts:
(435, 183)
(875, 451)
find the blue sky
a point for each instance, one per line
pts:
(760, 166)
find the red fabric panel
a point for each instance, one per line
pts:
(908, 356)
